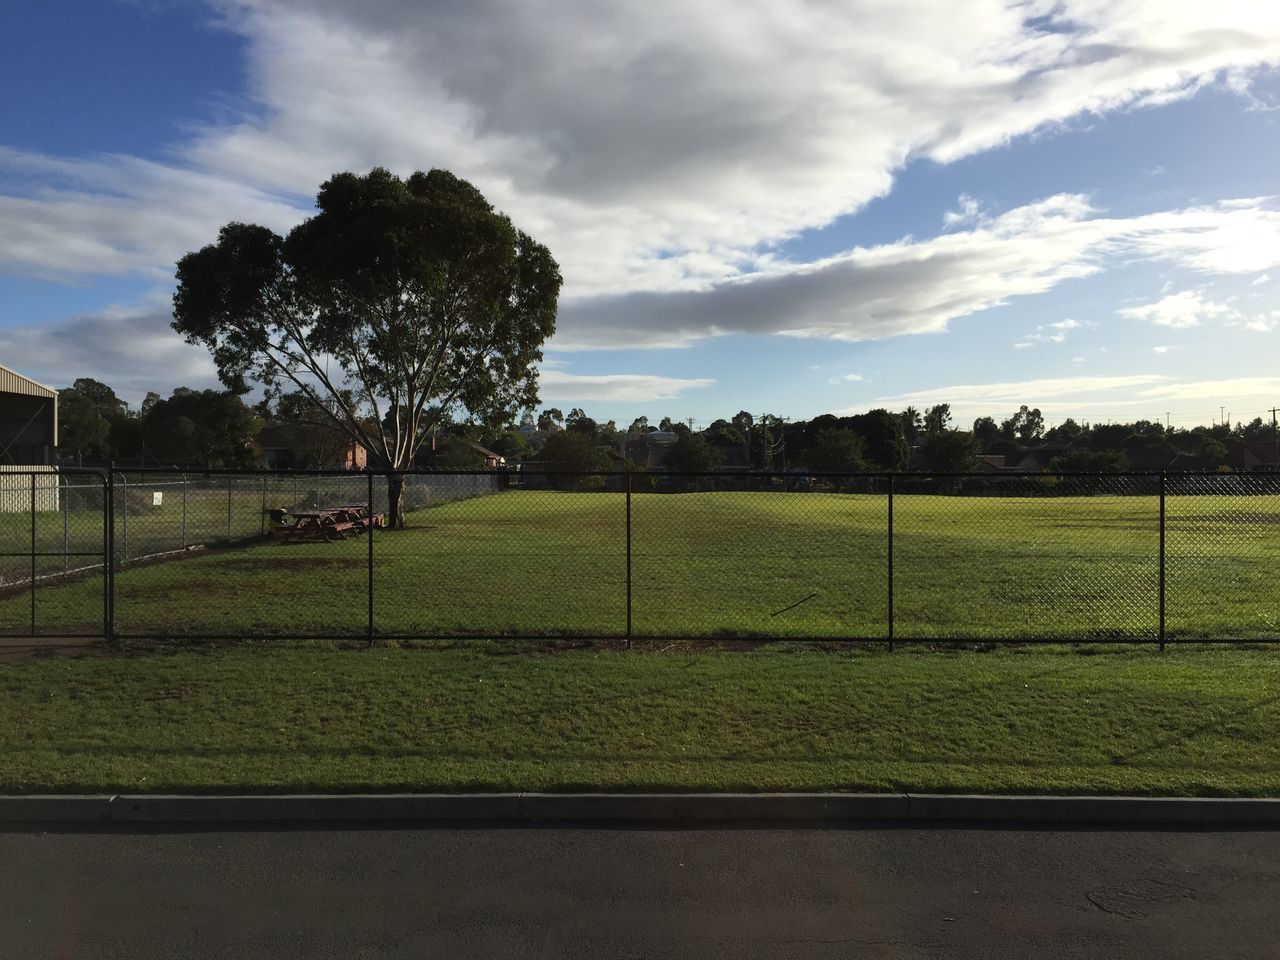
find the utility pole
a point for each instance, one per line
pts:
(1166, 420)
(1221, 415)
(1275, 437)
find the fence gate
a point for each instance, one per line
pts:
(54, 541)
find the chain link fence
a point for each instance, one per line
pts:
(902, 558)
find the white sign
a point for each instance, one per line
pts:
(157, 498)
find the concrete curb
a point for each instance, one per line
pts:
(57, 808)
(636, 808)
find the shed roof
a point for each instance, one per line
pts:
(13, 382)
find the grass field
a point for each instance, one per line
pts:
(725, 564)
(296, 718)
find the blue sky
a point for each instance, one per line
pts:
(785, 207)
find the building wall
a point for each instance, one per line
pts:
(15, 489)
(28, 429)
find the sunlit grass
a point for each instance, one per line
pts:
(297, 718)
(730, 564)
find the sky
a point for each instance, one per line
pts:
(791, 207)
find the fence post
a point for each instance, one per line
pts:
(229, 508)
(262, 519)
(629, 632)
(63, 488)
(33, 554)
(185, 484)
(109, 555)
(891, 562)
(1162, 558)
(124, 518)
(369, 531)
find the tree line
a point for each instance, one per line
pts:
(208, 429)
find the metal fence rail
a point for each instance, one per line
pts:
(902, 558)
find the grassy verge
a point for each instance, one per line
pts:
(718, 564)
(296, 718)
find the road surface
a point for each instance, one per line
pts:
(413, 891)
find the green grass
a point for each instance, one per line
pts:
(298, 718)
(727, 564)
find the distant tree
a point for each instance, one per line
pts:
(639, 425)
(912, 424)
(1148, 428)
(1089, 461)
(551, 419)
(1067, 431)
(985, 432)
(1109, 436)
(835, 451)
(82, 430)
(936, 419)
(571, 451)
(1255, 429)
(205, 428)
(884, 445)
(951, 451)
(103, 398)
(1025, 426)
(510, 444)
(308, 421)
(691, 453)
(665, 424)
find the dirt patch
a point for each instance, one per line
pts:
(281, 562)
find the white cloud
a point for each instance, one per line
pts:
(1023, 345)
(654, 147)
(1077, 359)
(131, 348)
(1259, 281)
(618, 387)
(1181, 310)
(1095, 398)
(662, 150)
(846, 378)
(1163, 348)
(1069, 324)
(920, 286)
(968, 212)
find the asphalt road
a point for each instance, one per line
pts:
(639, 893)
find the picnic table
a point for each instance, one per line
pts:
(332, 523)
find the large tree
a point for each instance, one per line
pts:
(415, 295)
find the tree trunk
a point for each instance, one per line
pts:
(395, 501)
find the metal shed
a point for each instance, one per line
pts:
(28, 442)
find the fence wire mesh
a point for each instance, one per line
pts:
(1222, 543)
(760, 557)
(52, 544)
(1118, 557)
(1043, 557)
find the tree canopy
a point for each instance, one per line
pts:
(415, 295)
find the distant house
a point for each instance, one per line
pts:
(436, 453)
(289, 446)
(1037, 458)
(649, 449)
(1148, 458)
(1252, 455)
